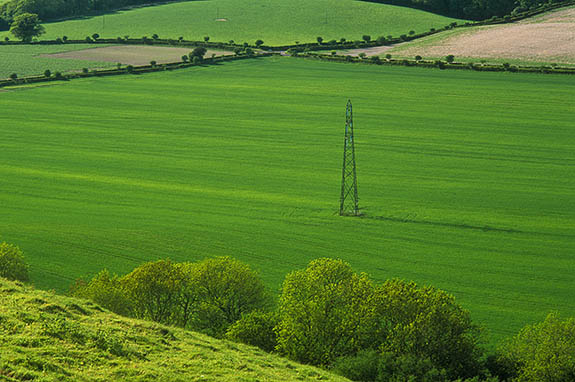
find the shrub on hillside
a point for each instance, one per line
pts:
(225, 290)
(106, 290)
(12, 263)
(325, 312)
(257, 329)
(543, 352)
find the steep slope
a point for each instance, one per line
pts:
(48, 337)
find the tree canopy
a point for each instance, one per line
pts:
(26, 26)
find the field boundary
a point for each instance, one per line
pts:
(128, 69)
(438, 64)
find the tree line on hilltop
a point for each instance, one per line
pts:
(329, 316)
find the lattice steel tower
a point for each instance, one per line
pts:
(348, 202)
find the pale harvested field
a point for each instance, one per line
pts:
(546, 38)
(131, 54)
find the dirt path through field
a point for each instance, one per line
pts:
(131, 54)
(547, 38)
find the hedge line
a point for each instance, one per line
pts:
(375, 60)
(128, 69)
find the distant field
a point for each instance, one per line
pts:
(273, 21)
(30, 60)
(548, 38)
(465, 179)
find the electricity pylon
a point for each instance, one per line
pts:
(348, 202)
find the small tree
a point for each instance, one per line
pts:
(388, 56)
(259, 43)
(366, 38)
(543, 352)
(450, 58)
(47, 73)
(106, 290)
(411, 33)
(95, 36)
(226, 289)
(418, 58)
(64, 38)
(130, 68)
(333, 52)
(324, 312)
(12, 263)
(198, 52)
(153, 63)
(13, 76)
(319, 40)
(26, 26)
(185, 58)
(362, 55)
(207, 38)
(154, 290)
(155, 36)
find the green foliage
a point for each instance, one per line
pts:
(12, 263)
(154, 290)
(26, 26)
(427, 324)
(363, 366)
(543, 352)
(325, 312)
(450, 58)
(225, 289)
(257, 329)
(106, 290)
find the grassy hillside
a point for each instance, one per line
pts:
(54, 338)
(29, 60)
(274, 21)
(465, 179)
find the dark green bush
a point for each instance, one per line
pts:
(364, 366)
(12, 263)
(257, 329)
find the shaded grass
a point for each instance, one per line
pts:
(273, 21)
(465, 178)
(54, 338)
(25, 60)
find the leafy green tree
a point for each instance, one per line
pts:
(319, 40)
(366, 38)
(47, 73)
(427, 323)
(225, 290)
(198, 52)
(95, 36)
(325, 312)
(418, 58)
(257, 329)
(26, 26)
(450, 58)
(12, 263)
(259, 43)
(543, 352)
(154, 289)
(106, 290)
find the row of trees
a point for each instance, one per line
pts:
(55, 9)
(471, 9)
(330, 316)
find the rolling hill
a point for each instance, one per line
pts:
(274, 21)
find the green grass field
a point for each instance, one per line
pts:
(27, 60)
(465, 179)
(273, 21)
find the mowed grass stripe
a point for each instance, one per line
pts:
(273, 21)
(465, 178)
